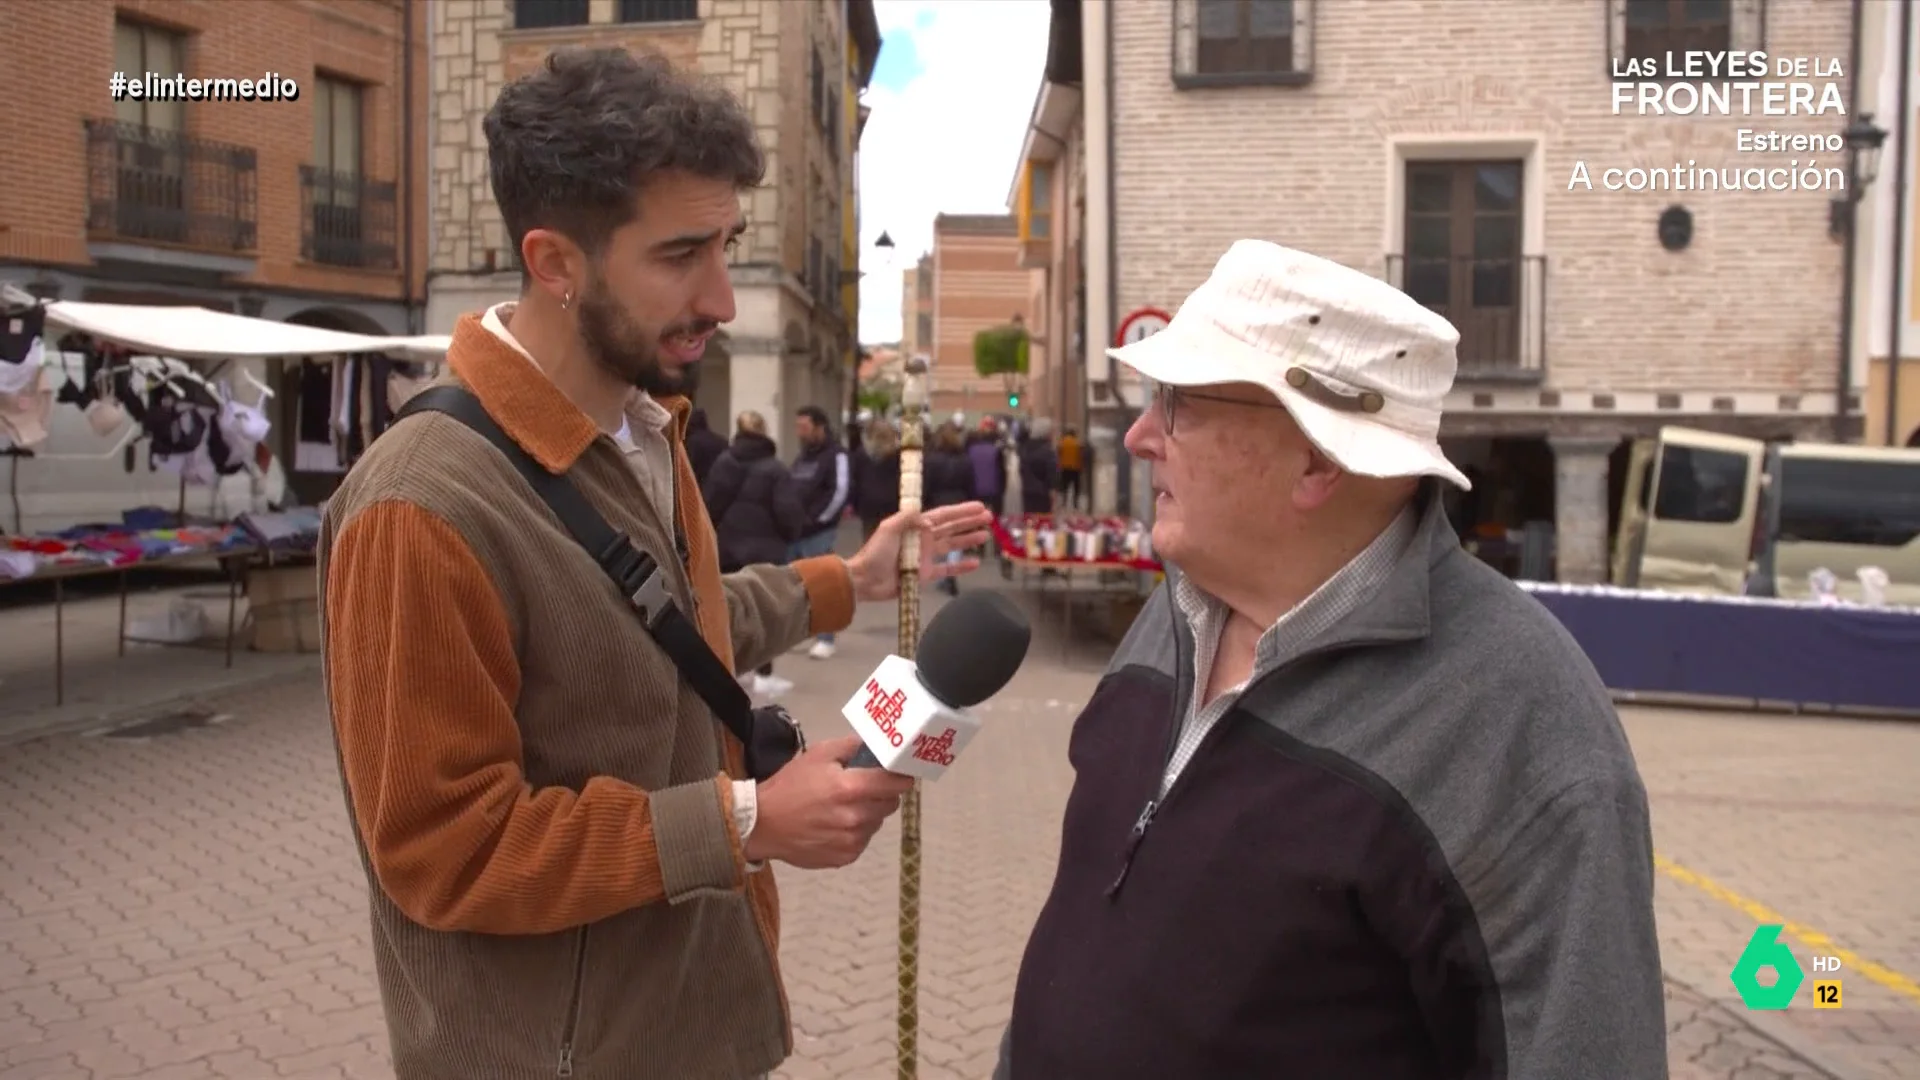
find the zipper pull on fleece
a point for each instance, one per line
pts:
(1138, 833)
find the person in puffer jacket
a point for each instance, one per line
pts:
(756, 514)
(948, 479)
(986, 455)
(823, 474)
(704, 445)
(876, 476)
(1039, 469)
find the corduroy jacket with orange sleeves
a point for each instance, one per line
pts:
(542, 805)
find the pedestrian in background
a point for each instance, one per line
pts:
(704, 445)
(1346, 802)
(756, 515)
(983, 449)
(949, 477)
(823, 473)
(876, 472)
(1039, 468)
(1069, 455)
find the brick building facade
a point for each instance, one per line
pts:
(798, 68)
(299, 210)
(978, 284)
(916, 308)
(1441, 145)
(1048, 200)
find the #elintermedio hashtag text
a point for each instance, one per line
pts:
(153, 86)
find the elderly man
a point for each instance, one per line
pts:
(1348, 803)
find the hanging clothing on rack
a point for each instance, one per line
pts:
(105, 417)
(379, 413)
(20, 344)
(363, 404)
(93, 394)
(90, 386)
(244, 425)
(403, 381)
(175, 428)
(76, 393)
(25, 401)
(121, 377)
(313, 448)
(238, 432)
(347, 379)
(231, 436)
(23, 415)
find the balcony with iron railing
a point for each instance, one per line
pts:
(155, 186)
(348, 220)
(1499, 306)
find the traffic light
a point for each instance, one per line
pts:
(1013, 401)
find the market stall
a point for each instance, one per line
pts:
(1078, 556)
(1752, 651)
(145, 379)
(196, 333)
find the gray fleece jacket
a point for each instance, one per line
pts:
(1419, 848)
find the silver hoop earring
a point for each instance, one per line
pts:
(566, 301)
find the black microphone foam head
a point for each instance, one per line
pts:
(971, 648)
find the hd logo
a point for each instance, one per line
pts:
(1764, 950)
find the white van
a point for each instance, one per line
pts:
(1722, 515)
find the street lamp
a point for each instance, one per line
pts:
(884, 249)
(1863, 135)
(1862, 139)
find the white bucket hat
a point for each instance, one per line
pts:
(1363, 368)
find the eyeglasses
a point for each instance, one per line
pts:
(1167, 399)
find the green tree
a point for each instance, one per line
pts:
(1003, 351)
(879, 395)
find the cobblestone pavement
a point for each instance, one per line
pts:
(1813, 823)
(189, 906)
(102, 682)
(1705, 1042)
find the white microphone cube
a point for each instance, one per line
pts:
(909, 730)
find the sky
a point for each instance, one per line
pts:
(951, 98)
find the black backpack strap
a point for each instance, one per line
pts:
(637, 575)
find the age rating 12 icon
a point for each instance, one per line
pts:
(1764, 950)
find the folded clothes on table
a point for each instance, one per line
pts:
(17, 564)
(294, 530)
(118, 546)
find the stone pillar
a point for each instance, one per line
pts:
(1103, 483)
(1580, 508)
(761, 376)
(754, 380)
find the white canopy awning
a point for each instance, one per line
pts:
(197, 333)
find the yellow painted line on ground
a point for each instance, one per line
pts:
(1806, 935)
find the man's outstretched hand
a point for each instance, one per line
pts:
(875, 568)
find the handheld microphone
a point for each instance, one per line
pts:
(914, 719)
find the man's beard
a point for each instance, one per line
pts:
(621, 345)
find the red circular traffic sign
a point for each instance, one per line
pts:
(1139, 324)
